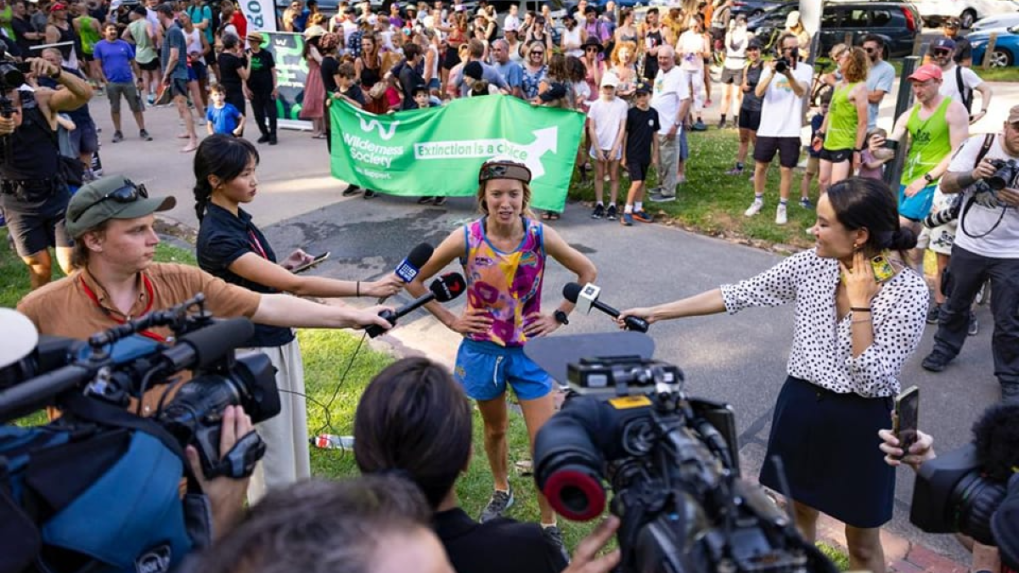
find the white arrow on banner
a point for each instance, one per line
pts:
(545, 140)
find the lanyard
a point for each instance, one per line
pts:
(255, 243)
(149, 292)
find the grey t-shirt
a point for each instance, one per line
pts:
(174, 38)
(880, 77)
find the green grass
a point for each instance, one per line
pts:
(1009, 74)
(712, 203)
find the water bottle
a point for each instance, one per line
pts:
(333, 442)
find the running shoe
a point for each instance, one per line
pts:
(500, 502)
(351, 190)
(612, 213)
(599, 211)
(805, 203)
(555, 536)
(369, 194)
(736, 170)
(642, 216)
(974, 327)
(781, 218)
(144, 135)
(754, 208)
(662, 198)
(933, 313)
(118, 137)
(439, 201)
(626, 220)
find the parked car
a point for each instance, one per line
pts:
(935, 12)
(897, 22)
(1003, 21)
(755, 8)
(1006, 47)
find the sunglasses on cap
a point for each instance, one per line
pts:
(504, 170)
(126, 194)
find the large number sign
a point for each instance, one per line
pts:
(261, 15)
(438, 151)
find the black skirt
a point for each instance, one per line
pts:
(828, 445)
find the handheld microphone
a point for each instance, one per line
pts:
(443, 289)
(409, 267)
(587, 296)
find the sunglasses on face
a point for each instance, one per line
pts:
(591, 50)
(870, 50)
(537, 53)
(126, 194)
(942, 52)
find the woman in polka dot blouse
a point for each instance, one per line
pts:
(859, 316)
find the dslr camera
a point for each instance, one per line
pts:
(670, 460)
(1007, 172)
(782, 64)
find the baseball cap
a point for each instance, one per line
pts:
(926, 72)
(504, 168)
(1013, 114)
(609, 80)
(754, 44)
(943, 44)
(57, 7)
(473, 70)
(113, 197)
(642, 88)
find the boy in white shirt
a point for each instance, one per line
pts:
(606, 122)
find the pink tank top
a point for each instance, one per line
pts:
(507, 285)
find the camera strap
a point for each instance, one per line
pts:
(988, 141)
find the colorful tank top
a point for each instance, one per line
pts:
(507, 285)
(929, 142)
(842, 120)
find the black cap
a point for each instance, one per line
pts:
(474, 70)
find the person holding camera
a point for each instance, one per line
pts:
(33, 194)
(782, 86)
(231, 247)
(859, 316)
(415, 419)
(986, 172)
(504, 254)
(112, 221)
(994, 455)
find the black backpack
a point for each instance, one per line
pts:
(964, 92)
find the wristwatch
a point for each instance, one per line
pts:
(561, 317)
(927, 177)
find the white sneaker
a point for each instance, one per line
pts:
(754, 208)
(780, 215)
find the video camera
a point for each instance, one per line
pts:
(119, 364)
(966, 489)
(671, 461)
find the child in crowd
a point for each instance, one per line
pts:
(423, 100)
(814, 152)
(872, 160)
(473, 72)
(607, 122)
(222, 117)
(640, 151)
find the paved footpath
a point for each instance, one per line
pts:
(739, 359)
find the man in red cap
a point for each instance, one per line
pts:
(936, 125)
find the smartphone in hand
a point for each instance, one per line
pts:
(907, 418)
(318, 259)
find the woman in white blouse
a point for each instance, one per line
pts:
(859, 316)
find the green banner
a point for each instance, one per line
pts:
(438, 151)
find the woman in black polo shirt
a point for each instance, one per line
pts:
(231, 247)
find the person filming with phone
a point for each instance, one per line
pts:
(985, 172)
(859, 316)
(232, 248)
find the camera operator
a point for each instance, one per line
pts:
(986, 247)
(112, 221)
(859, 316)
(33, 196)
(413, 417)
(371, 524)
(996, 441)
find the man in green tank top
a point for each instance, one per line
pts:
(88, 30)
(936, 125)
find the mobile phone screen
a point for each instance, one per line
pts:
(907, 413)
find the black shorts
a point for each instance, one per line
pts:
(749, 119)
(732, 76)
(788, 149)
(87, 57)
(152, 66)
(178, 87)
(637, 171)
(40, 226)
(836, 155)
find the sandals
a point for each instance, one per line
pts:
(550, 216)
